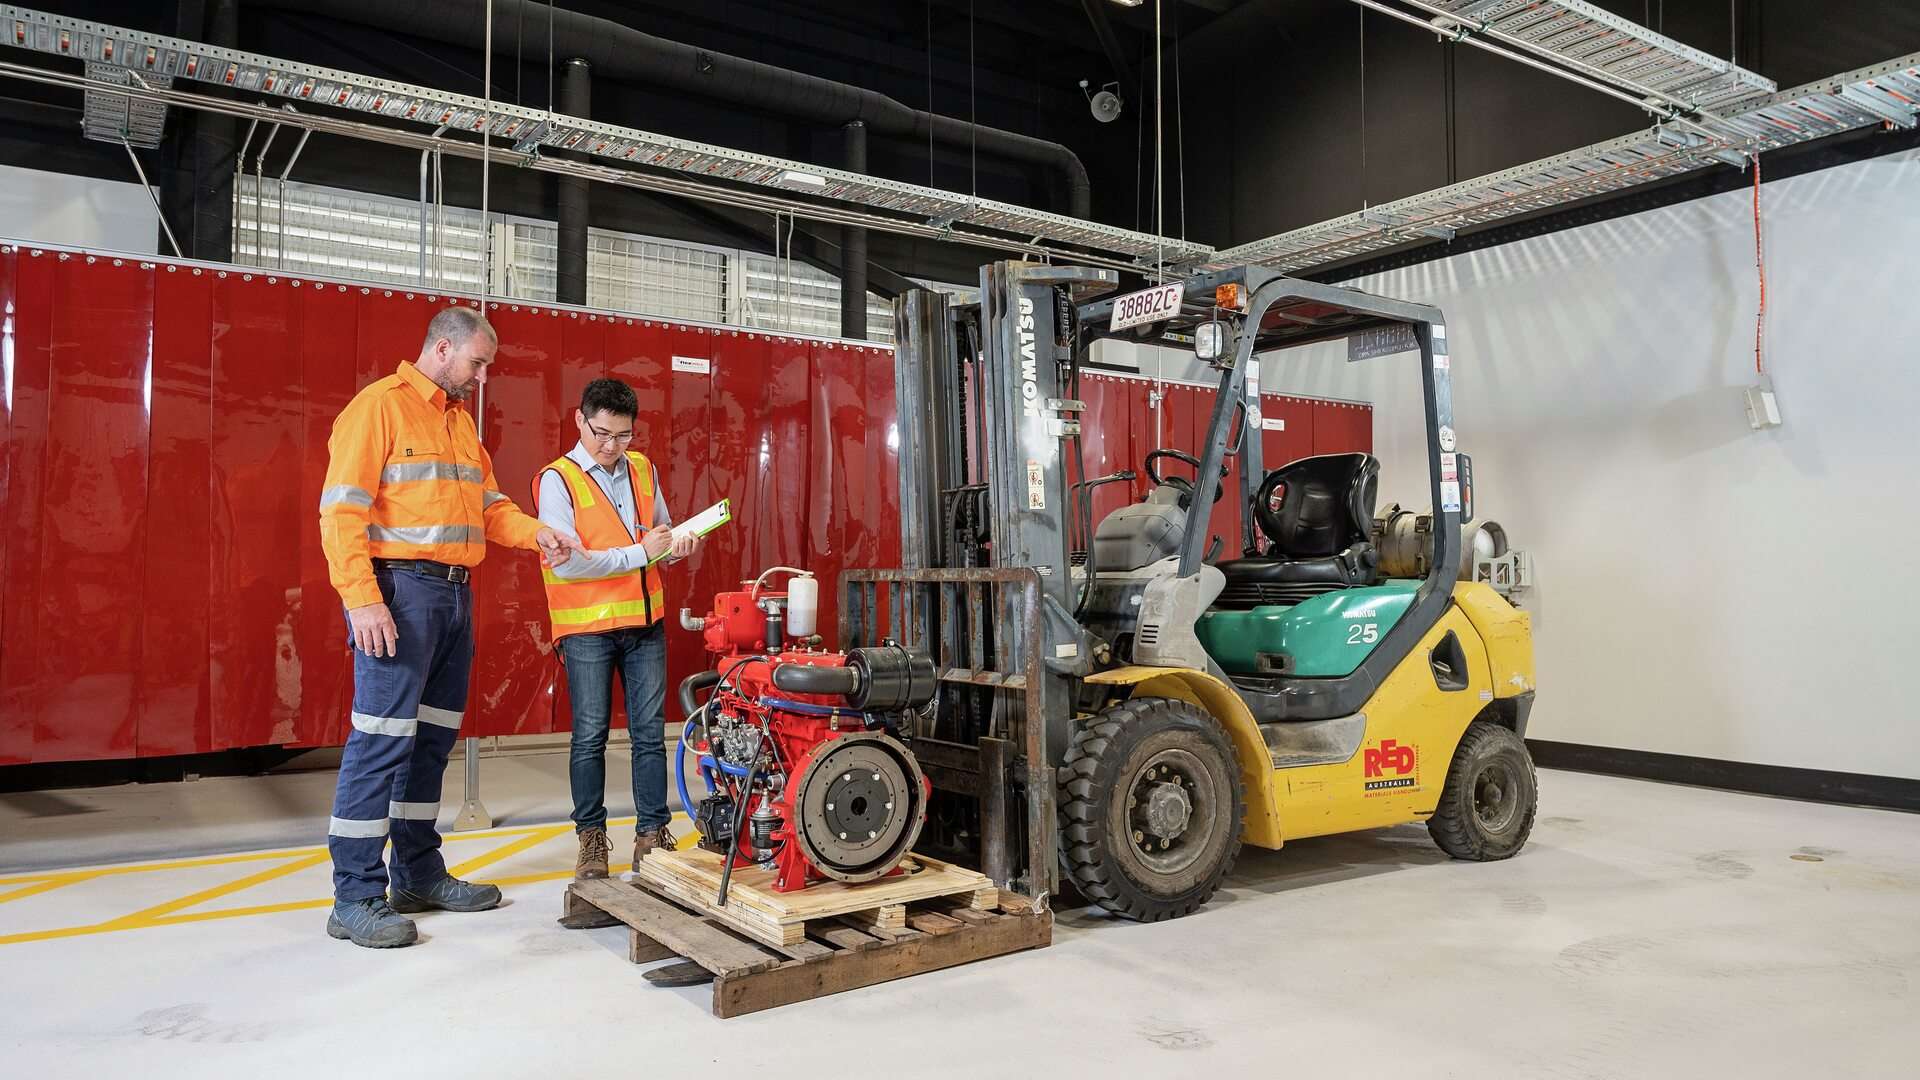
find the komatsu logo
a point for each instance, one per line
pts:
(1029, 364)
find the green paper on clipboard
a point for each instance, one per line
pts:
(706, 520)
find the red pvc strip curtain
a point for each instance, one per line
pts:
(163, 441)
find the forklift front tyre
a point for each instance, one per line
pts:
(1487, 808)
(1150, 808)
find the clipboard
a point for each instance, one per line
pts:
(706, 520)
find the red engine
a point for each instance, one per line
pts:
(798, 744)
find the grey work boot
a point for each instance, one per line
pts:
(447, 894)
(370, 924)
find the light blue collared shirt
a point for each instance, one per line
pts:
(556, 513)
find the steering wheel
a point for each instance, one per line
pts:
(1181, 483)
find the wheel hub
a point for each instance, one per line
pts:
(1163, 805)
(1492, 801)
(1168, 810)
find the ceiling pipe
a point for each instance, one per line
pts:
(574, 198)
(620, 52)
(745, 198)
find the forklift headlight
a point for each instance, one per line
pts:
(1210, 341)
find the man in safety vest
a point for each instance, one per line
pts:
(407, 509)
(606, 602)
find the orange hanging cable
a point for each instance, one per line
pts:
(1760, 267)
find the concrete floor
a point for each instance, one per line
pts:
(1646, 931)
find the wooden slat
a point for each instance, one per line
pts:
(932, 922)
(736, 916)
(1016, 904)
(884, 933)
(737, 994)
(806, 950)
(890, 916)
(642, 949)
(967, 915)
(845, 937)
(712, 949)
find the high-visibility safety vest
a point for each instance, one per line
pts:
(598, 605)
(407, 478)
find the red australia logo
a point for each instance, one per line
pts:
(1392, 763)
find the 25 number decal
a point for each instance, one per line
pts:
(1363, 633)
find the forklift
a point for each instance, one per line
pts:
(1119, 707)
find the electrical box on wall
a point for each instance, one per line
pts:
(1763, 409)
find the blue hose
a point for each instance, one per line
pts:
(680, 767)
(809, 708)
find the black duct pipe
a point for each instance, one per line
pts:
(853, 248)
(621, 52)
(690, 688)
(576, 89)
(814, 679)
(175, 176)
(211, 235)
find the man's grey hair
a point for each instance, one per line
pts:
(457, 325)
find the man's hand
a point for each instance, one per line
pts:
(373, 630)
(658, 541)
(558, 547)
(684, 545)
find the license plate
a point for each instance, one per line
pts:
(1147, 305)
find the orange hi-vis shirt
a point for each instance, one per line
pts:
(407, 478)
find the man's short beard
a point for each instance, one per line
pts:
(456, 393)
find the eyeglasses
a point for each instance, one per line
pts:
(622, 437)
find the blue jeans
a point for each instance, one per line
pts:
(406, 714)
(641, 657)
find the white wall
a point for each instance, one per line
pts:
(1705, 589)
(55, 208)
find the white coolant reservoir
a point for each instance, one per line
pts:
(803, 605)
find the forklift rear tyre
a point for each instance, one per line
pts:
(1150, 809)
(1487, 809)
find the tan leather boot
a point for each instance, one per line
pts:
(592, 862)
(646, 840)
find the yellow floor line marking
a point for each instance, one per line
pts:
(35, 890)
(140, 918)
(240, 912)
(170, 914)
(254, 856)
(507, 851)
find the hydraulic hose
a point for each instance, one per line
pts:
(739, 826)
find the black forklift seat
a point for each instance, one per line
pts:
(1318, 532)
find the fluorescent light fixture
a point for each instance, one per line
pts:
(798, 179)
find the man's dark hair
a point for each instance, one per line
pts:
(609, 395)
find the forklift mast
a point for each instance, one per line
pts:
(1002, 463)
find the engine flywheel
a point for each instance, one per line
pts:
(861, 801)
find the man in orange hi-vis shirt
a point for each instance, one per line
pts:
(407, 510)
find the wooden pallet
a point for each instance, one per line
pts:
(833, 953)
(755, 909)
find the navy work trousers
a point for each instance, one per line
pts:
(406, 714)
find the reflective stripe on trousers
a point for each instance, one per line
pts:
(407, 711)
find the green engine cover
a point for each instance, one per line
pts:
(1327, 636)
